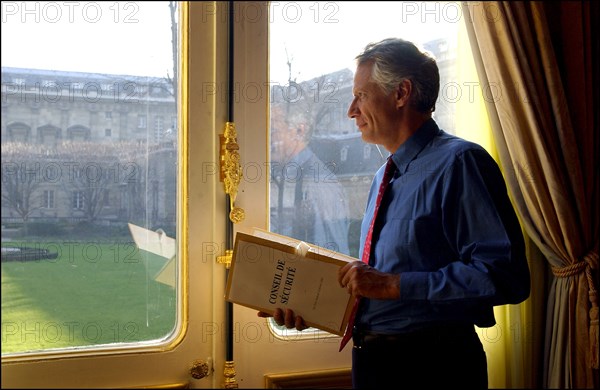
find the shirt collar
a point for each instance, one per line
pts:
(409, 150)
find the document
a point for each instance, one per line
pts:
(158, 253)
(270, 271)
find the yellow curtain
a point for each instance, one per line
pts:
(508, 345)
(545, 129)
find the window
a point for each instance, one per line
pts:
(48, 135)
(142, 119)
(18, 132)
(78, 200)
(158, 128)
(48, 199)
(314, 96)
(78, 133)
(56, 97)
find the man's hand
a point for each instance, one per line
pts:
(362, 280)
(286, 317)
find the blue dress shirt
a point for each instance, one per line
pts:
(447, 226)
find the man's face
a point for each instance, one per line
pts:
(374, 111)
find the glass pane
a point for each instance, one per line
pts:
(321, 168)
(89, 174)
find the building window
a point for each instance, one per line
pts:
(18, 132)
(78, 200)
(78, 133)
(108, 114)
(48, 135)
(107, 132)
(158, 128)
(48, 199)
(142, 119)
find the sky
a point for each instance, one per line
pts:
(322, 37)
(113, 37)
(134, 38)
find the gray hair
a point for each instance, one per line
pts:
(394, 60)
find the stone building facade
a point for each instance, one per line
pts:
(87, 147)
(103, 148)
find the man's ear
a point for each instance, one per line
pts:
(403, 93)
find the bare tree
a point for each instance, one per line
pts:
(96, 170)
(21, 177)
(174, 48)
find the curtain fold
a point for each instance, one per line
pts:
(509, 344)
(537, 64)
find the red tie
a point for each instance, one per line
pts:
(387, 176)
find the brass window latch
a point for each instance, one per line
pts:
(226, 258)
(231, 169)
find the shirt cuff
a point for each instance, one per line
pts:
(414, 285)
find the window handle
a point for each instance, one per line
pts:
(231, 169)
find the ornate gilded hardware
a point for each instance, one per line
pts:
(231, 170)
(229, 373)
(226, 258)
(199, 369)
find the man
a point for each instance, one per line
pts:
(308, 201)
(446, 245)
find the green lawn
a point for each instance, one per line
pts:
(90, 294)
